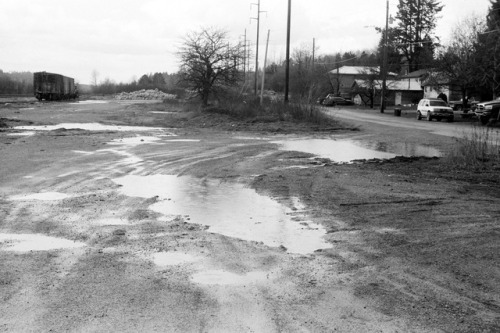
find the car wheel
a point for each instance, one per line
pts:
(429, 117)
(483, 120)
(419, 115)
(450, 119)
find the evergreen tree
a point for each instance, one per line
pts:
(414, 32)
(488, 55)
(144, 81)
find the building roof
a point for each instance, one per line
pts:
(416, 74)
(355, 70)
(358, 70)
(399, 85)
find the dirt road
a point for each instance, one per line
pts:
(136, 217)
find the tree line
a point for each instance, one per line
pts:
(471, 61)
(16, 83)
(162, 81)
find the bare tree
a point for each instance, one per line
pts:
(209, 63)
(456, 63)
(94, 76)
(367, 86)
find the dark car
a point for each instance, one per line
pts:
(488, 112)
(331, 100)
(459, 105)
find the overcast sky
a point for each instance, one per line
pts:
(123, 39)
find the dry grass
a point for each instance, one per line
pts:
(269, 111)
(476, 148)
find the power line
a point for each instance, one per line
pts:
(257, 44)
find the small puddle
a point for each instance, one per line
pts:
(345, 151)
(90, 102)
(33, 242)
(28, 133)
(90, 127)
(218, 277)
(139, 140)
(129, 158)
(228, 209)
(172, 258)
(44, 196)
(83, 152)
(183, 140)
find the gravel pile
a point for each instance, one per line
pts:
(145, 94)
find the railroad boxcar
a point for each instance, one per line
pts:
(51, 87)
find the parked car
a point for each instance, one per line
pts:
(434, 108)
(332, 100)
(488, 111)
(459, 105)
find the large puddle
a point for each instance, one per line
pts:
(228, 209)
(34, 242)
(344, 151)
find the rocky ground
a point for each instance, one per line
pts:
(414, 244)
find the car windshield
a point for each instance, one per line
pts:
(437, 103)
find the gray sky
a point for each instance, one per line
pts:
(123, 39)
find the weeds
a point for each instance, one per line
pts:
(475, 148)
(269, 110)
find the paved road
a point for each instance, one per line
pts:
(455, 129)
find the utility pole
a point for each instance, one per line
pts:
(287, 70)
(245, 54)
(264, 70)
(384, 61)
(257, 46)
(314, 47)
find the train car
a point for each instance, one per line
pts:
(53, 87)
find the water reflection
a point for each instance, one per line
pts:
(343, 151)
(229, 209)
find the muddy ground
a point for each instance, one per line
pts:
(411, 245)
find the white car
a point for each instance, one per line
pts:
(434, 108)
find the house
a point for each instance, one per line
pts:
(433, 84)
(399, 92)
(342, 78)
(437, 83)
(418, 76)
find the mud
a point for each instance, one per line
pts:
(222, 230)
